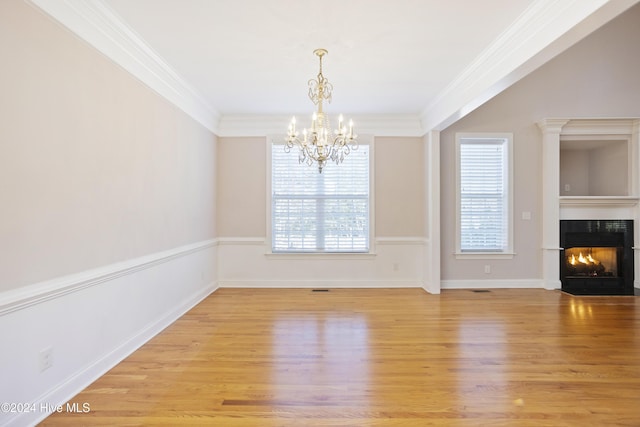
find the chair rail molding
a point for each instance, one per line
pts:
(92, 320)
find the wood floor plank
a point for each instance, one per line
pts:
(380, 357)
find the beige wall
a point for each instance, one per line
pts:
(609, 174)
(95, 168)
(242, 189)
(574, 172)
(399, 182)
(399, 187)
(597, 77)
(601, 171)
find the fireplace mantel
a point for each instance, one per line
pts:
(599, 201)
(555, 207)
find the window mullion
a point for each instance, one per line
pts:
(309, 206)
(320, 214)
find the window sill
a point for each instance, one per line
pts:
(484, 255)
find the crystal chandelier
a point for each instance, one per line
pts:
(319, 143)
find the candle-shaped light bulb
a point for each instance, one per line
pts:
(314, 118)
(340, 123)
(293, 124)
(350, 128)
(304, 133)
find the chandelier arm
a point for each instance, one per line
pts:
(320, 143)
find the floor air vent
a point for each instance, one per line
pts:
(319, 290)
(480, 291)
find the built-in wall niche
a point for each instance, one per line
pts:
(595, 166)
(579, 152)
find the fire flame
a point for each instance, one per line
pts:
(588, 260)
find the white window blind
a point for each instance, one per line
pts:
(483, 195)
(319, 212)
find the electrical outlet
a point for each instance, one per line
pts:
(487, 269)
(45, 358)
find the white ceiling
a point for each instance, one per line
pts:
(433, 60)
(256, 56)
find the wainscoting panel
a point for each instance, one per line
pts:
(247, 262)
(91, 321)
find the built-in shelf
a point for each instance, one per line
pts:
(599, 201)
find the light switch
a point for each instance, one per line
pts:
(526, 216)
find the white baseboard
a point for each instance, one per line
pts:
(493, 284)
(248, 262)
(73, 385)
(313, 284)
(92, 321)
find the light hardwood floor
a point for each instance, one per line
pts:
(388, 357)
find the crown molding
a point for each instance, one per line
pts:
(261, 125)
(582, 128)
(390, 125)
(545, 29)
(552, 125)
(600, 126)
(94, 22)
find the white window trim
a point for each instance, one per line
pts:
(508, 253)
(362, 140)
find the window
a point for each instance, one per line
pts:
(320, 212)
(484, 176)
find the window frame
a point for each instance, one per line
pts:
(279, 140)
(478, 137)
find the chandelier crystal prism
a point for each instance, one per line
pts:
(320, 143)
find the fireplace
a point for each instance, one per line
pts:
(596, 257)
